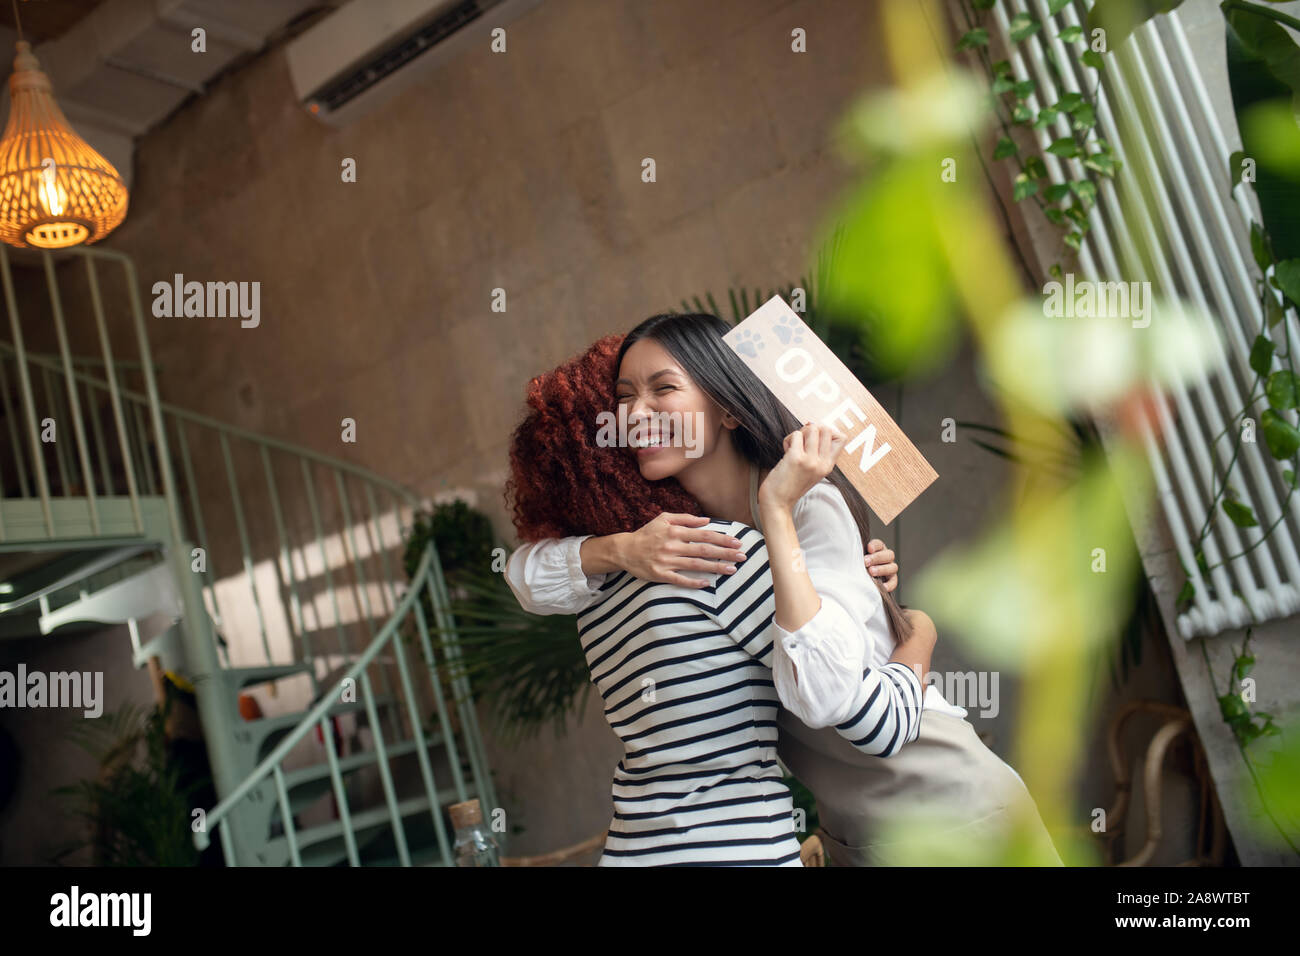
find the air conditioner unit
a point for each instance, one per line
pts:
(369, 50)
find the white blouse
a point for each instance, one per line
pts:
(849, 632)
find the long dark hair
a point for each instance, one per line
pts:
(695, 340)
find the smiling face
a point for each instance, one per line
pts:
(672, 424)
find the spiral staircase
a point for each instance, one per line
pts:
(336, 724)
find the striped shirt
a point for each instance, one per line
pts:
(687, 682)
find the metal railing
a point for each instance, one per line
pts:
(427, 579)
(282, 553)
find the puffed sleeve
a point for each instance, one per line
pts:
(547, 576)
(882, 709)
(819, 669)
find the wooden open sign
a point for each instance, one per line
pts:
(816, 386)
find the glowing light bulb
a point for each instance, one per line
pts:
(53, 196)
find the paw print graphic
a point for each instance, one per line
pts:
(787, 331)
(748, 343)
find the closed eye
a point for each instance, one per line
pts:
(625, 398)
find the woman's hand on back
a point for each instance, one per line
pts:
(671, 543)
(809, 457)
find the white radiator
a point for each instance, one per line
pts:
(1198, 241)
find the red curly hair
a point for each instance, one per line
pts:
(561, 482)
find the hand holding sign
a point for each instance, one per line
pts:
(810, 455)
(817, 387)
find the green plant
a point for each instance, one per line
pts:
(463, 536)
(1278, 779)
(1010, 100)
(529, 667)
(1264, 77)
(137, 810)
(1280, 391)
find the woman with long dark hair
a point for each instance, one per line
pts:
(684, 669)
(752, 462)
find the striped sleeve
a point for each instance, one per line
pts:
(886, 712)
(878, 715)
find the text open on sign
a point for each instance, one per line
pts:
(816, 386)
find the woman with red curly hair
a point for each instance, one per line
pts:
(561, 482)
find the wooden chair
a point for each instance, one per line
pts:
(1175, 722)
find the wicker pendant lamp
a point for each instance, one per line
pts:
(55, 190)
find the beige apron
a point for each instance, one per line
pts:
(947, 772)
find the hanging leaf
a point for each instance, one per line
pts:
(1240, 514)
(1264, 76)
(1064, 147)
(1023, 187)
(1243, 666)
(1074, 240)
(1259, 247)
(973, 38)
(1002, 68)
(1085, 189)
(1186, 594)
(1056, 6)
(1104, 163)
(1093, 59)
(1287, 274)
(1070, 34)
(1119, 17)
(1003, 84)
(1046, 116)
(1273, 309)
(1233, 708)
(1069, 102)
(1057, 192)
(1005, 147)
(1283, 390)
(1084, 117)
(1055, 215)
(1035, 167)
(1022, 27)
(1289, 477)
(1021, 113)
(1261, 355)
(1282, 438)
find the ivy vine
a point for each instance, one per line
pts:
(1066, 205)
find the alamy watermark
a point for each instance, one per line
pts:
(77, 909)
(57, 689)
(1098, 300)
(974, 690)
(213, 300)
(656, 430)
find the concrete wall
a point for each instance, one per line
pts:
(522, 172)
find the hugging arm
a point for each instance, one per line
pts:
(563, 575)
(547, 576)
(822, 667)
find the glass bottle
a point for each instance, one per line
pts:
(474, 845)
